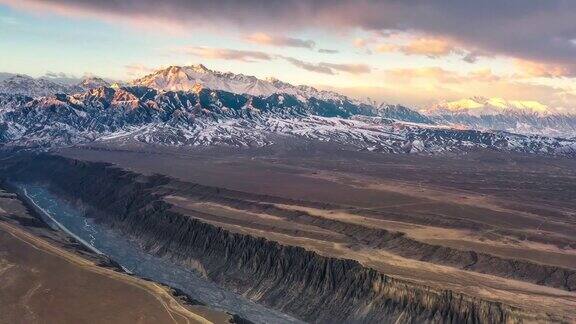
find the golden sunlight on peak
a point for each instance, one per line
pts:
(485, 105)
(529, 104)
(463, 104)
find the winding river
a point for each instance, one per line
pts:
(62, 216)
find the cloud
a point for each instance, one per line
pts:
(537, 69)
(328, 51)
(361, 42)
(539, 31)
(473, 56)
(387, 48)
(318, 68)
(51, 74)
(429, 74)
(137, 70)
(430, 47)
(426, 85)
(349, 68)
(483, 75)
(281, 41)
(253, 56)
(225, 53)
(423, 87)
(439, 77)
(328, 68)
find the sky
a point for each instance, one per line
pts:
(414, 52)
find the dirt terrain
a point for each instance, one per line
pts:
(45, 278)
(498, 226)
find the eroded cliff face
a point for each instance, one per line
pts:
(396, 242)
(310, 286)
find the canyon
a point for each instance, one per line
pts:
(323, 241)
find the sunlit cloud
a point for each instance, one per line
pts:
(328, 68)
(225, 54)
(541, 31)
(281, 41)
(361, 42)
(429, 47)
(349, 68)
(426, 86)
(387, 48)
(537, 69)
(523, 43)
(259, 56)
(427, 74)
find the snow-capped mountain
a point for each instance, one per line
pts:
(523, 117)
(206, 117)
(41, 87)
(25, 85)
(196, 77)
(482, 106)
(93, 83)
(195, 106)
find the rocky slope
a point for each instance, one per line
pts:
(395, 242)
(292, 279)
(401, 113)
(208, 117)
(19, 84)
(25, 85)
(481, 114)
(196, 77)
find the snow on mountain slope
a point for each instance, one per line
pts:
(25, 85)
(481, 106)
(195, 106)
(196, 77)
(211, 117)
(41, 87)
(402, 113)
(523, 117)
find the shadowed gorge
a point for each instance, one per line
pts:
(298, 281)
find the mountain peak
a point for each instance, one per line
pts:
(92, 83)
(27, 85)
(479, 106)
(194, 77)
(200, 68)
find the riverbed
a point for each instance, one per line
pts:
(63, 216)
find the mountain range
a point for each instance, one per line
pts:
(523, 117)
(25, 85)
(195, 106)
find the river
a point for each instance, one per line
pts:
(99, 238)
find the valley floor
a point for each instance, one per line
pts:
(44, 278)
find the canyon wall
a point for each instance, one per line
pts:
(292, 279)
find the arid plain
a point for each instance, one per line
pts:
(499, 227)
